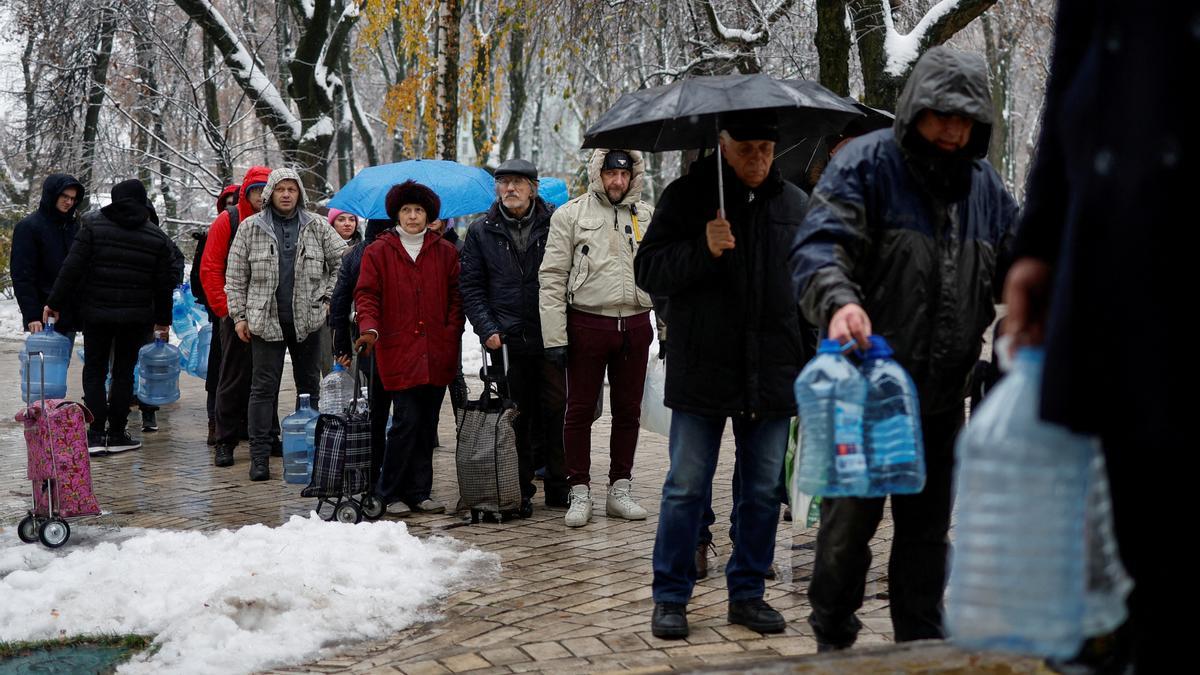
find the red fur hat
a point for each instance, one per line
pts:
(412, 192)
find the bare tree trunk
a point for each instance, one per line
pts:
(448, 25)
(833, 46)
(365, 134)
(212, 111)
(517, 72)
(31, 125)
(98, 80)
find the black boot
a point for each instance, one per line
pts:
(260, 468)
(223, 455)
(212, 432)
(669, 621)
(756, 615)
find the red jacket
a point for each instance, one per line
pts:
(212, 264)
(416, 309)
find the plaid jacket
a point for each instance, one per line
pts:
(252, 274)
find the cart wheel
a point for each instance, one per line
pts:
(54, 532)
(347, 512)
(372, 507)
(27, 530)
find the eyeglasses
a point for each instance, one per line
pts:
(510, 181)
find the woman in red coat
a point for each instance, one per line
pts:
(410, 313)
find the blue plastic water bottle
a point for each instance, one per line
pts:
(830, 395)
(297, 453)
(158, 372)
(891, 425)
(1020, 568)
(197, 362)
(56, 349)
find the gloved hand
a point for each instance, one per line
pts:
(557, 356)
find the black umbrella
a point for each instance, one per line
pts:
(687, 114)
(798, 156)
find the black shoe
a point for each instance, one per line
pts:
(223, 455)
(756, 615)
(276, 447)
(526, 509)
(97, 442)
(669, 621)
(212, 432)
(149, 421)
(770, 573)
(557, 498)
(702, 560)
(260, 468)
(120, 441)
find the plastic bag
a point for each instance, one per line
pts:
(806, 509)
(656, 416)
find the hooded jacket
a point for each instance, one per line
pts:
(499, 283)
(736, 341)
(40, 244)
(216, 247)
(926, 269)
(588, 262)
(415, 307)
(122, 267)
(252, 273)
(340, 304)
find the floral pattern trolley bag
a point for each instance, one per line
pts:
(56, 437)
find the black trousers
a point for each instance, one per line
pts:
(235, 371)
(920, 542)
(266, 375)
(212, 378)
(539, 389)
(122, 341)
(407, 471)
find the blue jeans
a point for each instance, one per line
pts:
(694, 447)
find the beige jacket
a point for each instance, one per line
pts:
(588, 263)
(252, 273)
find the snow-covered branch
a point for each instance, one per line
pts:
(939, 23)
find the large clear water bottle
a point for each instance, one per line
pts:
(891, 425)
(158, 372)
(56, 350)
(1018, 578)
(182, 321)
(830, 395)
(337, 391)
(197, 361)
(297, 453)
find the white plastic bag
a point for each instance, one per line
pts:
(656, 416)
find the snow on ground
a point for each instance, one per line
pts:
(10, 319)
(233, 601)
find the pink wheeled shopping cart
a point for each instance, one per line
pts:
(59, 468)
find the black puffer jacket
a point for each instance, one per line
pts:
(499, 284)
(342, 299)
(926, 269)
(122, 268)
(736, 341)
(41, 241)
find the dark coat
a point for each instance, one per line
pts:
(121, 267)
(926, 270)
(499, 284)
(735, 343)
(1110, 206)
(415, 307)
(41, 242)
(342, 300)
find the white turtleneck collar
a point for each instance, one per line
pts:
(412, 242)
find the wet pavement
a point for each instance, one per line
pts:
(568, 599)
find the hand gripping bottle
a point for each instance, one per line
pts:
(830, 396)
(891, 424)
(158, 372)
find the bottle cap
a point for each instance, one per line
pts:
(828, 346)
(879, 348)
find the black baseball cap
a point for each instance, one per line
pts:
(618, 159)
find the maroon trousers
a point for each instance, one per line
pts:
(596, 344)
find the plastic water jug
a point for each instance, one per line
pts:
(830, 397)
(197, 361)
(1019, 573)
(56, 350)
(158, 372)
(337, 391)
(297, 452)
(891, 425)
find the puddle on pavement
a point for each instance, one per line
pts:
(76, 659)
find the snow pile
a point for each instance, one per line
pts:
(233, 601)
(11, 326)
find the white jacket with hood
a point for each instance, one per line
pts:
(588, 264)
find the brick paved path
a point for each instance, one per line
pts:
(568, 600)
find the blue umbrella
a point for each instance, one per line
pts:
(553, 190)
(462, 189)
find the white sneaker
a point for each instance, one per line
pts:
(620, 502)
(579, 509)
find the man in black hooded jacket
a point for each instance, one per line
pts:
(906, 238)
(41, 241)
(122, 268)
